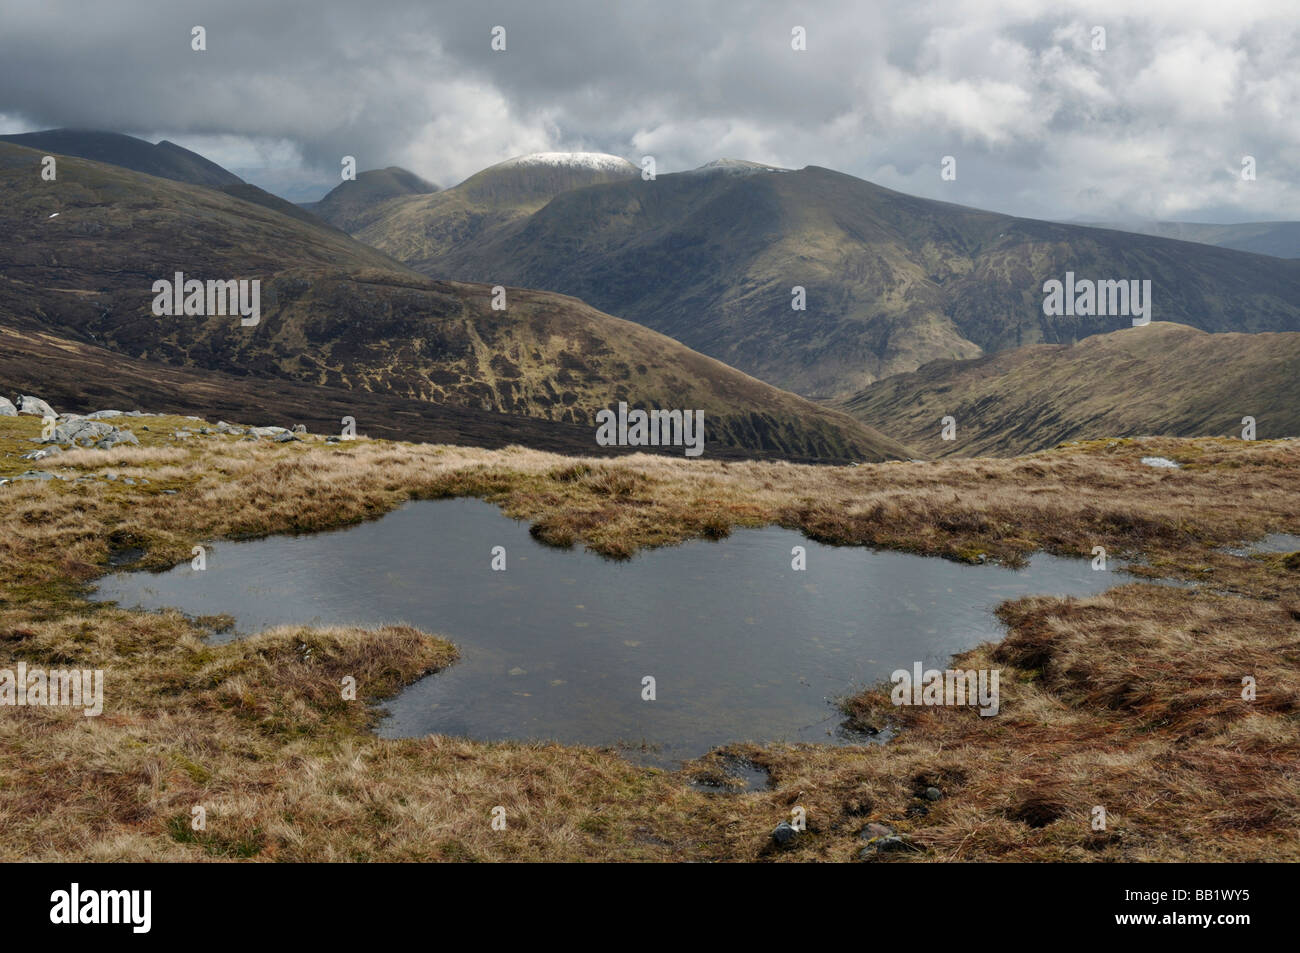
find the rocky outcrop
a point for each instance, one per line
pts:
(84, 432)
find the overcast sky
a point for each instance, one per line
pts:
(1041, 124)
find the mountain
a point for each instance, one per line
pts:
(892, 282)
(1164, 379)
(83, 253)
(165, 160)
(354, 204)
(422, 230)
(1279, 239)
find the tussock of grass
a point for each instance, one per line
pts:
(1130, 700)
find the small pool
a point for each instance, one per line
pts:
(740, 646)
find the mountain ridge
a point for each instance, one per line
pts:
(891, 281)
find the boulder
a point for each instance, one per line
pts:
(266, 431)
(117, 437)
(80, 431)
(104, 414)
(35, 407)
(7, 408)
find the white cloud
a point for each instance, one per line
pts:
(1040, 122)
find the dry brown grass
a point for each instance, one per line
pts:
(1129, 700)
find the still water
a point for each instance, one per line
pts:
(741, 647)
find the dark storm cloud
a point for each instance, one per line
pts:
(1040, 123)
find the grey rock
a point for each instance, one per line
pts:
(35, 475)
(117, 437)
(35, 407)
(285, 438)
(7, 408)
(266, 431)
(933, 794)
(104, 415)
(783, 834)
(41, 454)
(80, 431)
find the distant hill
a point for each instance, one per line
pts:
(341, 315)
(423, 230)
(1164, 379)
(165, 160)
(353, 205)
(892, 282)
(1279, 239)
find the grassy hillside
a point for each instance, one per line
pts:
(338, 314)
(1163, 379)
(892, 282)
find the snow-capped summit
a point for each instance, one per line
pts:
(737, 167)
(595, 161)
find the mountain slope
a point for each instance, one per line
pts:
(76, 377)
(353, 205)
(892, 281)
(339, 314)
(421, 230)
(165, 160)
(1164, 379)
